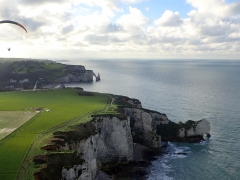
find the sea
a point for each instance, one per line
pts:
(183, 90)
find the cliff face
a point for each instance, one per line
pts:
(190, 131)
(195, 129)
(115, 139)
(110, 140)
(149, 126)
(112, 143)
(87, 76)
(143, 127)
(77, 74)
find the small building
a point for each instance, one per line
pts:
(60, 86)
(11, 87)
(23, 81)
(13, 81)
(54, 86)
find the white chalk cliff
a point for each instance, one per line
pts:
(113, 138)
(112, 143)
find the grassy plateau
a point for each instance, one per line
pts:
(55, 107)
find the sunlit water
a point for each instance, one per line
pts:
(183, 90)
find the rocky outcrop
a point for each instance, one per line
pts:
(190, 131)
(201, 127)
(77, 74)
(150, 126)
(97, 77)
(193, 131)
(142, 125)
(128, 101)
(113, 140)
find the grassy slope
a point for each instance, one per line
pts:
(29, 69)
(64, 104)
(53, 69)
(4, 66)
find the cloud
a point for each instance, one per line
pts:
(67, 29)
(108, 7)
(169, 18)
(8, 12)
(32, 24)
(218, 8)
(215, 30)
(110, 28)
(94, 22)
(102, 27)
(233, 9)
(101, 39)
(214, 21)
(135, 19)
(37, 2)
(131, 1)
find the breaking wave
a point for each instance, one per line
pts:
(161, 168)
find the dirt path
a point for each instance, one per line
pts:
(112, 99)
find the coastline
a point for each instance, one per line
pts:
(121, 144)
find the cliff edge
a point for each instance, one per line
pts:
(89, 151)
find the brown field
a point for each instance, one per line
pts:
(11, 120)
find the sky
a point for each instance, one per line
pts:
(121, 29)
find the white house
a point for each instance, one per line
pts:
(13, 81)
(23, 81)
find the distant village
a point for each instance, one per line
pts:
(78, 74)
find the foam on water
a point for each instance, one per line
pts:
(202, 143)
(161, 168)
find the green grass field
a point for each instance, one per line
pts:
(64, 105)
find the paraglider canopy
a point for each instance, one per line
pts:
(13, 22)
